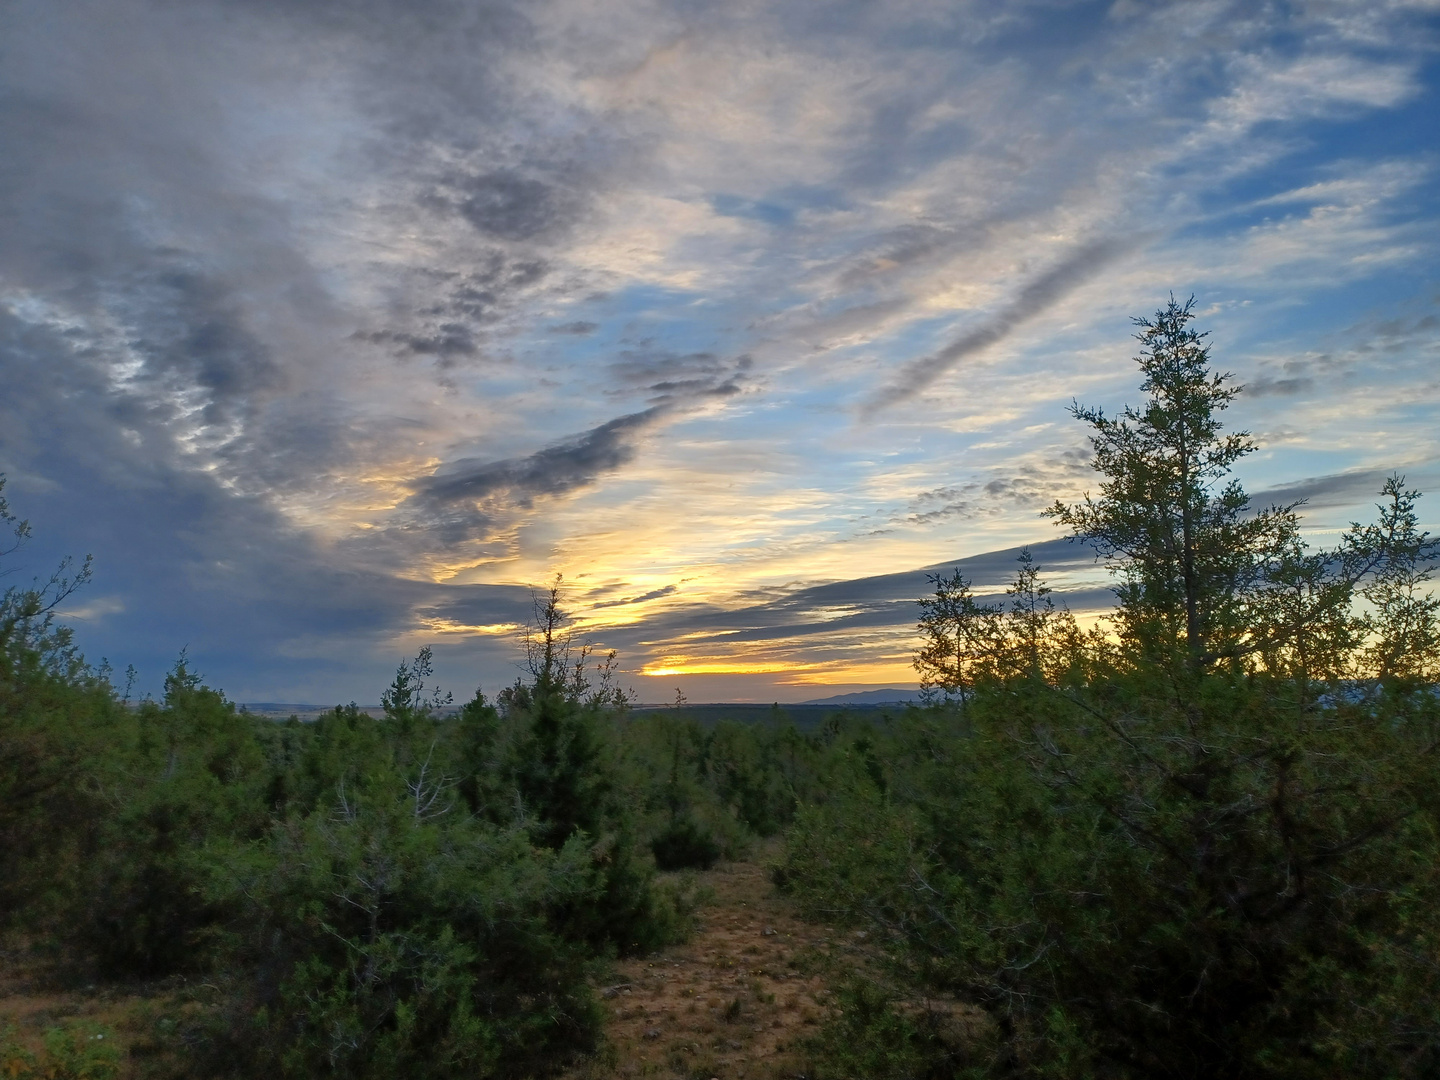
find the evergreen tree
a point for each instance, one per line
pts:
(1178, 528)
(1204, 847)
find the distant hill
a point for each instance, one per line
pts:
(806, 716)
(868, 697)
(283, 710)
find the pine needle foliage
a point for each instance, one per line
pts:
(1200, 841)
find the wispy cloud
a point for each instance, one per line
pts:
(338, 324)
(571, 463)
(1033, 300)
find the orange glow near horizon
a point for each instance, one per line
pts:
(720, 667)
(450, 626)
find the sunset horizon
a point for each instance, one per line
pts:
(332, 331)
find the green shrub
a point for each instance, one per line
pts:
(407, 895)
(1201, 843)
(1134, 893)
(872, 1037)
(73, 1051)
(685, 845)
(386, 944)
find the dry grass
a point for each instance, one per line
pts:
(737, 1000)
(33, 998)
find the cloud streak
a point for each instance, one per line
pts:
(331, 326)
(572, 463)
(1037, 297)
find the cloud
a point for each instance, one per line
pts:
(1320, 492)
(1264, 387)
(505, 204)
(447, 340)
(191, 328)
(1033, 300)
(456, 309)
(672, 377)
(292, 296)
(480, 605)
(573, 463)
(653, 594)
(180, 558)
(818, 627)
(870, 597)
(97, 607)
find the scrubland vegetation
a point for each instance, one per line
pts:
(426, 893)
(1198, 839)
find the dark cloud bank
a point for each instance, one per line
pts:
(177, 376)
(877, 601)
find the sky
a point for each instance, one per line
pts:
(333, 329)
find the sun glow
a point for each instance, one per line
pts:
(667, 668)
(450, 626)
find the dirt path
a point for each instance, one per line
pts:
(737, 1000)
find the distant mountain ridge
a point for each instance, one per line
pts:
(868, 697)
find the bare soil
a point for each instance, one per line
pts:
(739, 999)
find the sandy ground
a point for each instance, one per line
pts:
(737, 1000)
